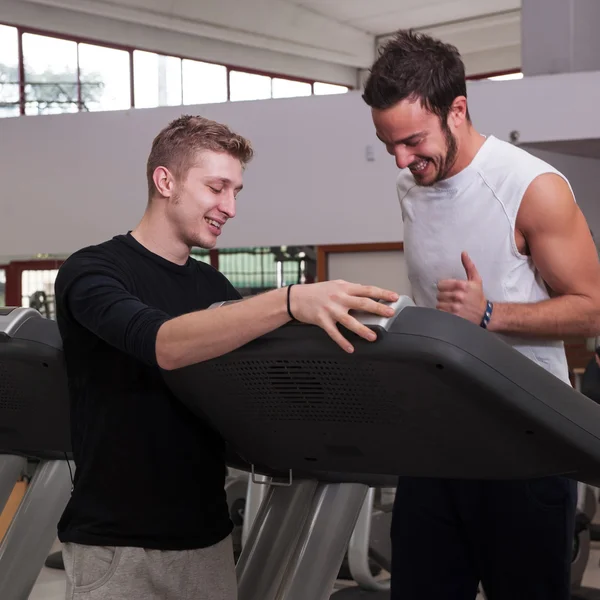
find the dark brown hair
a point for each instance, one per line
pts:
(416, 66)
(177, 145)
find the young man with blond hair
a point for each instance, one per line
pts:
(148, 518)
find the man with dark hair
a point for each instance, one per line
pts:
(148, 517)
(491, 234)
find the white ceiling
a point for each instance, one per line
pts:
(341, 32)
(380, 17)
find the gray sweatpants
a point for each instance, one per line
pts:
(124, 573)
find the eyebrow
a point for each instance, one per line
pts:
(406, 140)
(226, 181)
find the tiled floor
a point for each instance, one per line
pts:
(51, 583)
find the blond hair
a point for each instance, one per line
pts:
(177, 145)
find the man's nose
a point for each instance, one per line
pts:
(227, 206)
(404, 158)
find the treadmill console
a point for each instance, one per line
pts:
(12, 318)
(368, 319)
(372, 320)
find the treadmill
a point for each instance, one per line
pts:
(434, 396)
(34, 436)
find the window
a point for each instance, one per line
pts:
(105, 79)
(50, 75)
(63, 74)
(204, 83)
(286, 88)
(248, 86)
(157, 80)
(9, 71)
(2, 287)
(322, 89)
(201, 255)
(506, 77)
(37, 290)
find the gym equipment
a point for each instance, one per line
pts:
(586, 510)
(434, 396)
(370, 546)
(34, 424)
(236, 488)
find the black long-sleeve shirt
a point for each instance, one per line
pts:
(149, 473)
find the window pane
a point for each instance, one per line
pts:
(105, 82)
(204, 83)
(9, 71)
(157, 79)
(506, 77)
(285, 88)
(50, 75)
(37, 290)
(248, 86)
(322, 89)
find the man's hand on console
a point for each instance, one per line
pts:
(329, 302)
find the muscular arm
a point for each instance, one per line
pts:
(562, 249)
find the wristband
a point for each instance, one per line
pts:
(487, 315)
(288, 302)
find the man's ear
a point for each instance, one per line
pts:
(163, 181)
(458, 111)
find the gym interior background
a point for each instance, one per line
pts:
(84, 86)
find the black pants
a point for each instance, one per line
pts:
(515, 537)
(590, 382)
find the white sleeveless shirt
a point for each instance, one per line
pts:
(475, 211)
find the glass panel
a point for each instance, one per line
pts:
(37, 290)
(50, 75)
(286, 88)
(204, 83)
(157, 79)
(105, 78)
(2, 287)
(248, 86)
(249, 269)
(9, 111)
(201, 255)
(323, 89)
(506, 77)
(9, 71)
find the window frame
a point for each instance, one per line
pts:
(21, 30)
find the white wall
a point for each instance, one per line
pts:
(70, 180)
(385, 269)
(82, 177)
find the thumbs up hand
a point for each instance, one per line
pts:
(463, 298)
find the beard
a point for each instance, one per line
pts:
(451, 153)
(445, 163)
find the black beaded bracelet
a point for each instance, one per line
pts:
(487, 315)
(288, 302)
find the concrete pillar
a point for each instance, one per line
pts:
(560, 36)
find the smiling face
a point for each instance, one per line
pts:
(199, 204)
(419, 139)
